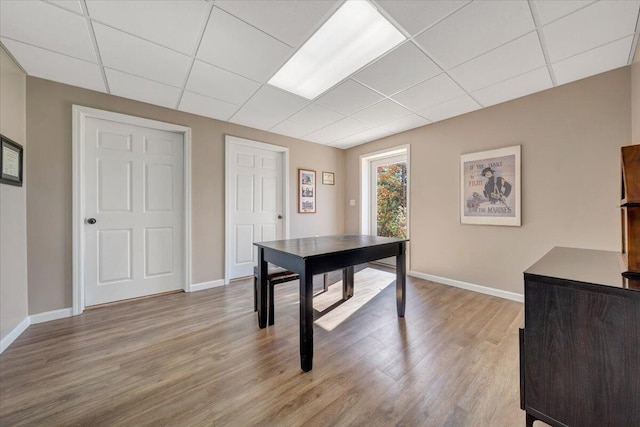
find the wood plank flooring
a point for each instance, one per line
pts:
(200, 359)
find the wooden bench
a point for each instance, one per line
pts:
(275, 276)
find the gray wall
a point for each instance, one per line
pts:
(13, 207)
(50, 197)
(571, 138)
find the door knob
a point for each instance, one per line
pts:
(279, 216)
(91, 221)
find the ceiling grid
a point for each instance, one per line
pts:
(214, 58)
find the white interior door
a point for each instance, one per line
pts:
(134, 191)
(255, 204)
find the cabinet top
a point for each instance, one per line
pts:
(582, 265)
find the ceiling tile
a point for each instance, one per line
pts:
(238, 47)
(255, 118)
(133, 87)
(476, 29)
(46, 26)
(268, 107)
(510, 60)
(404, 67)
(382, 112)
(405, 123)
(604, 58)
(72, 5)
(338, 130)
(221, 84)
(315, 117)
(455, 107)
(54, 66)
(593, 26)
(291, 22)
(276, 100)
(414, 16)
(349, 97)
(525, 84)
(362, 137)
(550, 10)
(432, 92)
(307, 120)
(205, 106)
(291, 128)
(141, 58)
(175, 24)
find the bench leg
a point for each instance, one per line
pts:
(255, 293)
(271, 304)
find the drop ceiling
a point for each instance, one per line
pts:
(214, 58)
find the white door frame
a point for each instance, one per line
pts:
(365, 189)
(79, 116)
(234, 140)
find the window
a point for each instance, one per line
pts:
(385, 193)
(389, 196)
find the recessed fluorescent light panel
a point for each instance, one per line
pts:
(355, 35)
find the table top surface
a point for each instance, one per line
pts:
(581, 265)
(313, 246)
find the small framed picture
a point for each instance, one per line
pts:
(306, 191)
(328, 178)
(11, 154)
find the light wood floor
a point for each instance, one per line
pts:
(200, 359)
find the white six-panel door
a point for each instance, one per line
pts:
(135, 192)
(255, 204)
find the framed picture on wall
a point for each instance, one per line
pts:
(328, 178)
(11, 154)
(490, 187)
(306, 191)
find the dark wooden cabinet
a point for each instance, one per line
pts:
(580, 346)
(630, 209)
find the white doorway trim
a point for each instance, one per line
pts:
(79, 116)
(234, 140)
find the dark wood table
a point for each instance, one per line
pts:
(317, 255)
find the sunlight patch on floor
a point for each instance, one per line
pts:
(367, 284)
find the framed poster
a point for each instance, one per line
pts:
(490, 187)
(306, 191)
(11, 154)
(328, 178)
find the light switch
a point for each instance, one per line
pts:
(352, 202)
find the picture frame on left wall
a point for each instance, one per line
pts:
(11, 162)
(306, 191)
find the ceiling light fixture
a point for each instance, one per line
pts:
(351, 38)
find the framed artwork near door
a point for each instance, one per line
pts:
(11, 162)
(490, 187)
(328, 178)
(306, 191)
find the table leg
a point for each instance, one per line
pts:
(401, 278)
(306, 320)
(529, 420)
(347, 283)
(262, 289)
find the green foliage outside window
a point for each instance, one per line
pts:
(392, 200)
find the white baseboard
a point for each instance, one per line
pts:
(206, 285)
(469, 286)
(51, 315)
(33, 320)
(14, 334)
